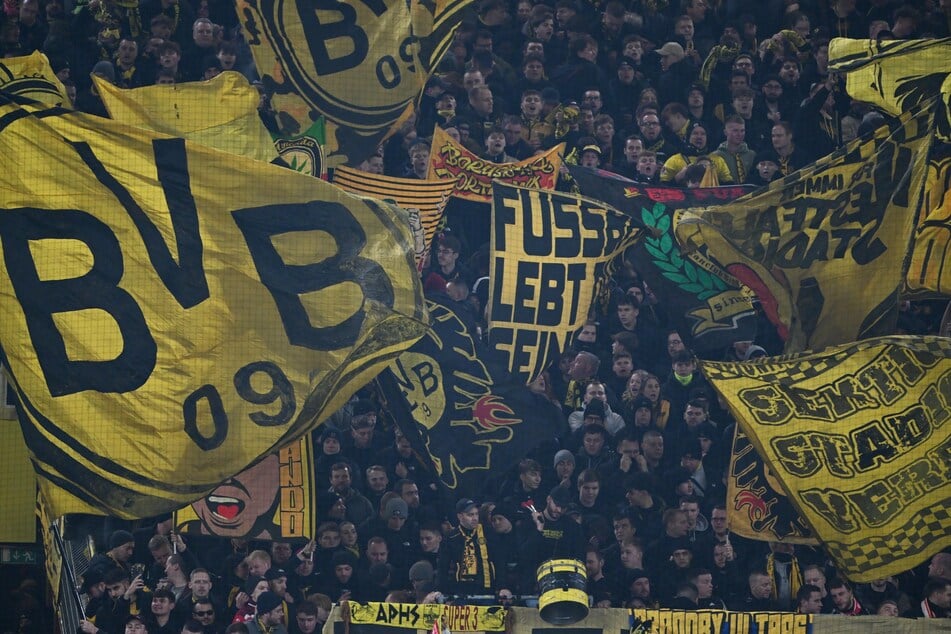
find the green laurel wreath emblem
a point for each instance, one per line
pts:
(684, 273)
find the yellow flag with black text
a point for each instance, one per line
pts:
(172, 313)
(221, 113)
(858, 437)
(825, 249)
(31, 76)
(550, 255)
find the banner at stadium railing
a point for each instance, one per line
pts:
(424, 201)
(857, 435)
(928, 272)
(361, 65)
(450, 391)
(897, 75)
(550, 255)
(825, 249)
(757, 507)
(473, 175)
(705, 303)
(274, 499)
(454, 618)
(32, 77)
(622, 621)
(304, 152)
(221, 113)
(164, 320)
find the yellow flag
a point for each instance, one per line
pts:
(897, 75)
(359, 64)
(858, 437)
(423, 200)
(221, 113)
(32, 76)
(171, 313)
(18, 520)
(825, 249)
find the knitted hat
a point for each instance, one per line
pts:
(267, 602)
(119, 538)
(251, 584)
(344, 558)
(395, 507)
(563, 456)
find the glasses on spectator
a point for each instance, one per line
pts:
(203, 612)
(650, 123)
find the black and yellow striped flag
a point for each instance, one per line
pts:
(424, 201)
(171, 314)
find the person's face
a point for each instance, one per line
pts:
(587, 119)
(429, 541)
(482, 102)
(592, 99)
(647, 165)
(592, 564)
(495, 143)
(612, 24)
(885, 609)
(28, 12)
(564, 469)
(539, 385)
(744, 64)
(275, 616)
(802, 27)
(563, 14)
(682, 558)
(595, 391)
(331, 446)
(226, 60)
(625, 73)
(641, 588)
(446, 102)
(633, 147)
(693, 416)
(329, 539)
(169, 59)
(650, 126)
(698, 138)
(781, 138)
(161, 606)
(531, 104)
(340, 481)
(789, 72)
(338, 510)
(135, 627)
(634, 383)
(719, 556)
(718, 521)
(203, 612)
(590, 159)
(579, 368)
(501, 524)
(735, 133)
(468, 519)
(588, 334)
(766, 170)
(684, 368)
(523, 11)
(259, 589)
(692, 509)
(278, 586)
(942, 597)
(704, 586)
(128, 51)
(622, 367)
(588, 493)
(306, 623)
(772, 90)
(553, 509)
(761, 587)
(634, 50)
(403, 445)
(482, 44)
(378, 481)
(410, 495)
(743, 106)
(679, 525)
(377, 553)
(280, 552)
(813, 604)
(815, 578)
(589, 53)
(626, 313)
(343, 572)
(200, 584)
(605, 132)
(651, 391)
(684, 29)
(593, 443)
(234, 507)
(531, 480)
(535, 48)
(652, 447)
(420, 161)
(623, 530)
(841, 597)
(472, 79)
(203, 34)
(695, 99)
(544, 30)
(348, 534)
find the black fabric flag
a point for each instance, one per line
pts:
(704, 302)
(458, 404)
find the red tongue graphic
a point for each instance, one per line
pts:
(228, 511)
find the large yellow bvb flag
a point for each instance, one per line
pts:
(171, 313)
(858, 437)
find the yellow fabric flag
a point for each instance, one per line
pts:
(423, 200)
(897, 75)
(825, 249)
(857, 435)
(221, 113)
(32, 76)
(18, 520)
(359, 64)
(171, 314)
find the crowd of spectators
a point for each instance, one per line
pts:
(634, 485)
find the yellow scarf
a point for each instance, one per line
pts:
(795, 575)
(473, 555)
